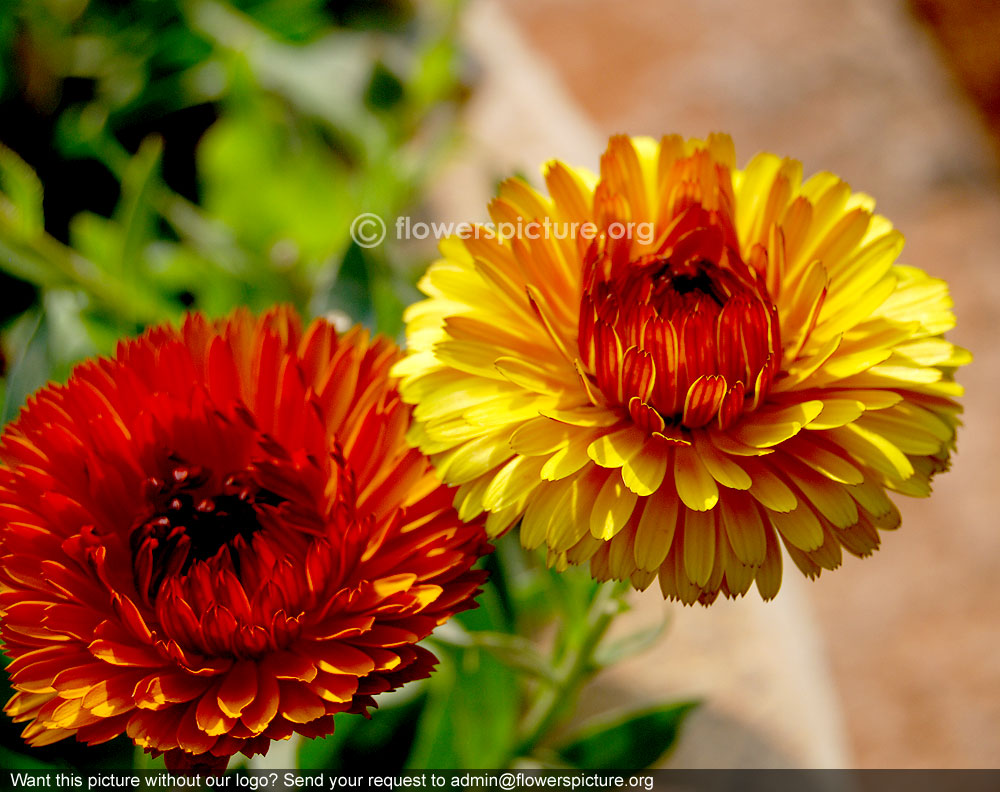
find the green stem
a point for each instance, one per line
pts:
(43, 256)
(576, 669)
(209, 237)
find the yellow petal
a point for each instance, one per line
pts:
(723, 468)
(469, 497)
(515, 480)
(473, 458)
(615, 449)
(745, 528)
(837, 412)
(904, 434)
(872, 399)
(768, 578)
(830, 498)
(655, 531)
(644, 472)
(541, 508)
(739, 576)
(824, 457)
(499, 521)
(531, 376)
(539, 436)
(587, 416)
(871, 497)
(873, 450)
(729, 445)
(768, 427)
(699, 545)
(612, 508)
(695, 486)
(569, 191)
(800, 527)
(622, 173)
(570, 459)
(527, 203)
(621, 555)
(768, 489)
(842, 238)
(570, 520)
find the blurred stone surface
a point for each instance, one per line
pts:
(760, 670)
(853, 87)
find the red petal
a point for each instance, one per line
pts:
(238, 688)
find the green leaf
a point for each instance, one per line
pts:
(351, 291)
(470, 716)
(27, 264)
(514, 651)
(144, 761)
(452, 732)
(628, 742)
(69, 341)
(614, 651)
(276, 185)
(324, 752)
(96, 238)
(15, 760)
(31, 365)
(180, 271)
(380, 745)
(385, 90)
(436, 745)
(135, 211)
(437, 73)
(21, 198)
(387, 306)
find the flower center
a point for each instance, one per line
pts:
(679, 338)
(194, 519)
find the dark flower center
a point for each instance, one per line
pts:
(699, 281)
(194, 519)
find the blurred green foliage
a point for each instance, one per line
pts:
(203, 154)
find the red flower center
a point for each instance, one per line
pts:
(681, 336)
(194, 520)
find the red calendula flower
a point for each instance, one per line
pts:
(219, 537)
(673, 368)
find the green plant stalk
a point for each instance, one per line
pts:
(572, 674)
(206, 235)
(209, 237)
(26, 258)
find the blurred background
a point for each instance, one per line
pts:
(159, 156)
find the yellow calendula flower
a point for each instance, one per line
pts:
(675, 367)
